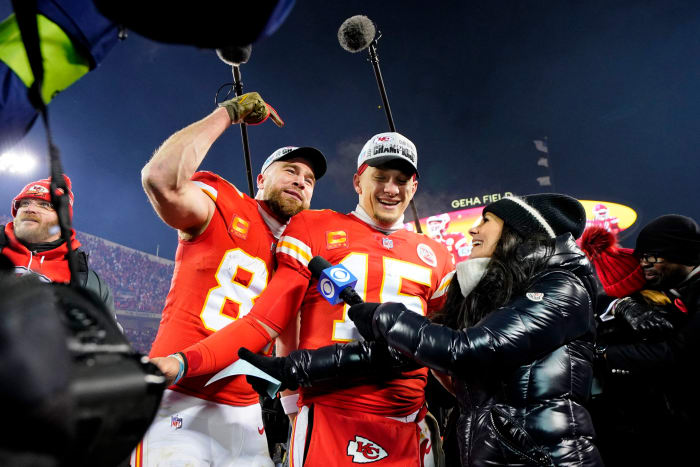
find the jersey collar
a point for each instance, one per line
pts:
(362, 215)
(273, 223)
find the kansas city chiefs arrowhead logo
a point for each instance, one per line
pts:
(37, 190)
(364, 451)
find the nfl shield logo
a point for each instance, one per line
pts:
(176, 422)
(387, 243)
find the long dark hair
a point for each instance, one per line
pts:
(515, 261)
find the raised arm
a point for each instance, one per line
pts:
(166, 177)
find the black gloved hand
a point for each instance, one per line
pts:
(277, 367)
(362, 315)
(386, 358)
(641, 318)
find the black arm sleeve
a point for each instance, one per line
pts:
(651, 356)
(557, 310)
(346, 362)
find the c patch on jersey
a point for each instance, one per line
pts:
(364, 451)
(426, 254)
(336, 239)
(239, 227)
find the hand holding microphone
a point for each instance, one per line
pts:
(363, 317)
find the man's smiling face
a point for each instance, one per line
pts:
(384, 193)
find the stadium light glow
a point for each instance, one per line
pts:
(17, 162)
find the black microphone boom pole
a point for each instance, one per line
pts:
(374, 58)
(235, 56)
(238, 90)
(358, 33)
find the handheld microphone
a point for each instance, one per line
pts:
(335, 283)
(356, 33)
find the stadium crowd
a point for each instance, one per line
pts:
(139, 283)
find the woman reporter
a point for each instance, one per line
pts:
(517, 339)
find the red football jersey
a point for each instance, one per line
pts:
(218, 277)
(401, 267)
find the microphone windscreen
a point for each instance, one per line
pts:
(356, 33)
(317, 265)
(235, 54)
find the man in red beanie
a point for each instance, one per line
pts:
(33, 243)
(649, 378)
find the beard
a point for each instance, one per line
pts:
(386, 219)
(283, 206)
(34, 232)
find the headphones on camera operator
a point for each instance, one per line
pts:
(77, 393)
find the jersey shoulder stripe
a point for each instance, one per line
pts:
(296, 249)
(214, 185)
(209, 190)
(444, 284)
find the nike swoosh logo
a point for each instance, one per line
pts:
(261, 430)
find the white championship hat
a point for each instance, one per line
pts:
(386, 147)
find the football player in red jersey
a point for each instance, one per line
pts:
(455, 242)
(224, 261)
(601, 218)
(372, 420)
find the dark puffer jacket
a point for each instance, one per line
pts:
(523, 373)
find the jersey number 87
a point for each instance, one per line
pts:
(241, 279)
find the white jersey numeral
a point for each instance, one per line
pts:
(241, 278)
(394, 272)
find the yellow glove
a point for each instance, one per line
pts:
(655, 297)
(251, 109)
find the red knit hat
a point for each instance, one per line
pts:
(40, 189)
(617, 268)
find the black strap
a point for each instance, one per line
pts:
(81, 261)
(3, 238)
(26, 13)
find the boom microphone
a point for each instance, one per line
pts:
(356, 33)
(235, 55)
(335, 283)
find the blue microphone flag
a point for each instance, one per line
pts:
(333, 280)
